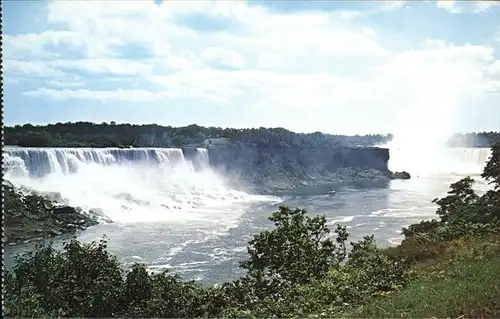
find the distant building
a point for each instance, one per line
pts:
(220, 141)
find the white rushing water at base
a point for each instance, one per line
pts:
(130, 185)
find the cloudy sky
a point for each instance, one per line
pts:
(335, 67)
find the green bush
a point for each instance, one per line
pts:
(82, 280)
(297, 251)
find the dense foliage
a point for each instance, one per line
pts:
(86, 134)
(296, 269)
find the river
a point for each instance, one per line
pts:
(186, 220)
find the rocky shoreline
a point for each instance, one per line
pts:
(30, 217)
(277, 183)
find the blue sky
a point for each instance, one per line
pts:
(337, 67)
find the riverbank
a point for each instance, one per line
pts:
(453, 279)
(343, 176)
(29, 216)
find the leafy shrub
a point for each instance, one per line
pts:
(491, 171)
(296, 269)
(297, 251)
(83, 280)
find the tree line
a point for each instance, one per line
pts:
(86, 134)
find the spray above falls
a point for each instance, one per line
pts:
(127, 185)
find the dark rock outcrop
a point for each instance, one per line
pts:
(400, 175)
(189, 152)
(31, 216)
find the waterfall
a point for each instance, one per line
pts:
(477, 156)
(128, 185)
(38, 162)
(202, 157)
(439, 160)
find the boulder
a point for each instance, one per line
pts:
(400, 175)
(65, 210)
(30, 215)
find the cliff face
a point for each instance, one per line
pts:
(265, 166)
(328, 159)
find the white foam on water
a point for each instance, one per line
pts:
(414, 211)
(344, 219)
(131, 185)
(394, 241)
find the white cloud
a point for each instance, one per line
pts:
(457, 7)
(60, 84)
(381, 6)
(390, 5)
(33, 45)
(220, 58)
(102, 96)
(449, 5)
(36, 68)
(495, 70)
(482, 6)
(328, 62)
(60, 68)
(105, 66)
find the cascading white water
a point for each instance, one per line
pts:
(469, 160)
(202, 157)
(43, 161)
(128, 185)
(444, 160)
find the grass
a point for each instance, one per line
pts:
(464, 281)
(423, 253)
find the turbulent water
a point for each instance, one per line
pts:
(130, 185)
(174, 213)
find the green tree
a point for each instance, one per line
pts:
(490, 202)
(297, 251)
(461, 195)
(491, 171)
(84, 280)
(87, 134)
(138, 287)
